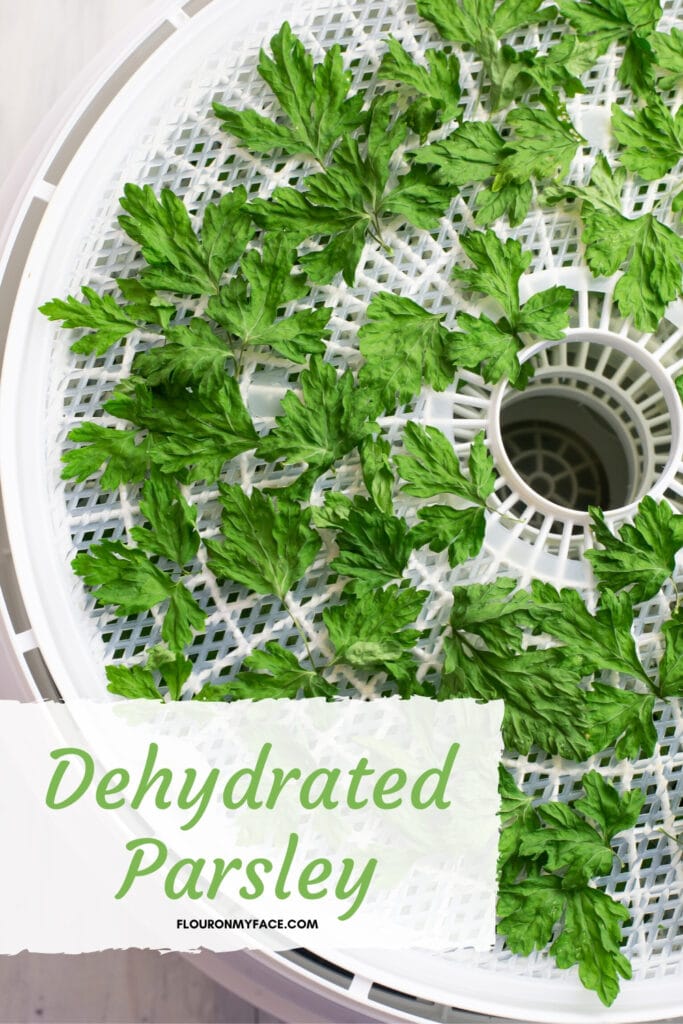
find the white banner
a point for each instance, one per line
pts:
(224, 826)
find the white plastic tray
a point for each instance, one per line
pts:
(148, 131)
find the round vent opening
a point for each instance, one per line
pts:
(567, 451)
(593, 427)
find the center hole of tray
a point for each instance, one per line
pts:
(567, 451)
(584, 430)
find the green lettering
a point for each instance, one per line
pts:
(108, 785)
(384, 786)
(88, 771)
(326, 795)
(202, 797)
(135, 868)
(442, 776)
(220, 870)
(281, 891)
(254, 775)
(317, 871)
(190, 887)
(257, 883)
(280, 780)
(360, 772)
(163, 777)
(345, 889)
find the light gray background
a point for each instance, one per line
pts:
(44, 45)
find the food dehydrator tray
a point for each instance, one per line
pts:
(158, 130)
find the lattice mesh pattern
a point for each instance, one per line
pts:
(183, 149)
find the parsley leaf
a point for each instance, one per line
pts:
(549, 853)
(322, 426)
(351, 197)
(544, 705)
(183, 618)
(144, 304)
(499, 617)
(471, 153)
(124, 460)
(668, 52)
(404, 347)
(671, 664)
(133, 682)
(649, 251)
(125, 578)
(108, 320)
(498, 267)
(470, 21)
(337, 210)
(652, 138)
(191, 435)
(474, 153)
(437, 85)
(612, 812)
(368, 630)
(248, 305)
(374, 547)
(193, 356)
(271, 673)
(460, 531)
(481, 25)
(591, 938)
(378, 472)
(570, 844)
(179, 261)
(515, 72)
(174, 668)
(602, 641)
(497, 272)
(642, 555)
(137, 681)
(628, 22)
(591, 929)
(432, 467)
(556, 70)
(529, 910)
(493, 349)
(493, 612)
(511, 200)
(171, 530)
(517, 818)
(621, 719)
(313, 96)
(542, 148)
(267, 545)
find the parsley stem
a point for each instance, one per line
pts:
(376, 238)
(375, 232)
(505, 515)
(239, 362)
(301, 631)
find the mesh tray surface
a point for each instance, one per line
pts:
(177, 144)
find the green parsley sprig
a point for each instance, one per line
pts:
(549, 853)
